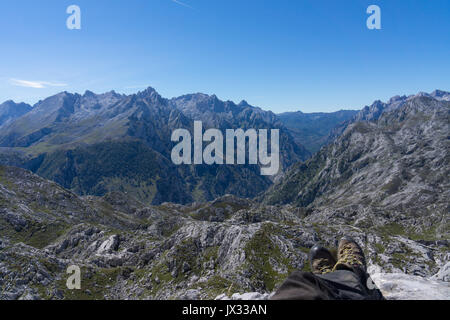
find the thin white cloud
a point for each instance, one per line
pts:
(35, 84)
(182, 4)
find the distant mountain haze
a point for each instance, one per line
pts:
(9, 111)
(313, 129)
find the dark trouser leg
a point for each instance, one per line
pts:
(338, 285)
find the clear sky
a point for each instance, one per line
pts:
(309, 55)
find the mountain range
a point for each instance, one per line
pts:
(98, 143)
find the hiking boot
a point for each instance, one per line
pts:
(350, 257)
(321, 260)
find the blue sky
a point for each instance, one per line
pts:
(309, 55)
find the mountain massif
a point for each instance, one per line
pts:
(95, 144)
(398, 161)
(382, 179)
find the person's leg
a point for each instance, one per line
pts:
(342, 280)
(305, 286)
(338, 285)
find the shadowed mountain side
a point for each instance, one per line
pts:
(394, 169)
(93, 144)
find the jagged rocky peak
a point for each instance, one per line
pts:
(9, 111)
(89, 94)
(112, 93)
(192, 97)
(54, 101)
(90, 100)
(440, 94)
(12, 104)
(150, 97)
(148, 93)
(198, 103)
(243, 103)
(374, 111)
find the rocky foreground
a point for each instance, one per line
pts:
(127, 250)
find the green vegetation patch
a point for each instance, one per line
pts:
(35, 235)
(94, 284)
(396, 229)
(217, 285)
(227, 208)
(379, 248)
(262, 253)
